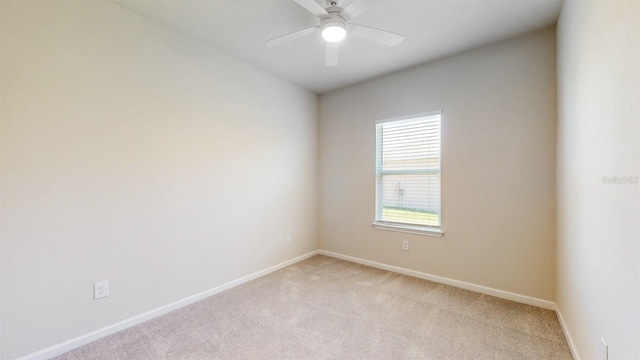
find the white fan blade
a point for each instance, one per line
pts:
(376, 35)
(354, 9)
(292, 36)
(332, 54)
(313, 7)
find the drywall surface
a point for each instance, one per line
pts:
(498, 166)
(598, 169)
(132, 154)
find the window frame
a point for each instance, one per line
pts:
(427, 230)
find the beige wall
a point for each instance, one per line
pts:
(498, 166)
(135, 155)
(599, 135)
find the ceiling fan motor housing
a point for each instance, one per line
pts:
(333, 17)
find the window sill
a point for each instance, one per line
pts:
(410, 229)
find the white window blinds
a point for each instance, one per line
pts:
(408, 171)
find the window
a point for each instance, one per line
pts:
(408, 174)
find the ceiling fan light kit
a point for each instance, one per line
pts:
(333, 28)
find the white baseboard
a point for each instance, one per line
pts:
(69, 345)
(567, 334)
(545, 304)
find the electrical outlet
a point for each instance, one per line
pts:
(604, 350)
(405, 245)
(289, 239)
(100, 290)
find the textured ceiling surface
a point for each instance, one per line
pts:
(433, 29)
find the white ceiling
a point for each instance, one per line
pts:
(433, 29)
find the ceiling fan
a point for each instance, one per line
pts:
(334, 26)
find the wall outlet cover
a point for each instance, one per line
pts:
(100, 290)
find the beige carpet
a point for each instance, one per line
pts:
(324, 308)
